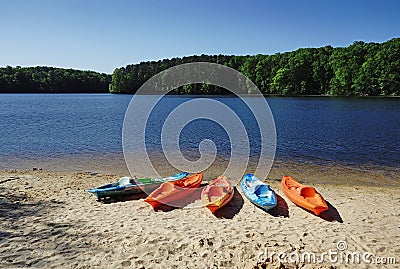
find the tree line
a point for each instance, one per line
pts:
(42, 79)
(359, 69)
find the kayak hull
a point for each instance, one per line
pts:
(304, 196)
(257, 192)
(134, 186)
(217, 194)
(172, 192)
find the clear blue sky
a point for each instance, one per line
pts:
(102, 35)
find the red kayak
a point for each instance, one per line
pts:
(217, 194)
(171, 192)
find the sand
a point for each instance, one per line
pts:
(48, 220)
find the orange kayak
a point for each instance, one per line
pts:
(304, 196)
(217, 194)
(170, 192)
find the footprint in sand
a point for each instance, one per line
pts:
(126, 263)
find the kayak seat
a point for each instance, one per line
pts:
(216, 191)
(262, 191)
(167, 186)
(307, 192)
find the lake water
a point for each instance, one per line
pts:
(350, 131)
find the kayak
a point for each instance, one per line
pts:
(131, 186)
(304, 196)
(171, 192)
(217, 194)
(258, 192)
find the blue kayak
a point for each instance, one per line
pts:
(131, 186)
(258, 192)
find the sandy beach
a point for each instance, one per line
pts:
(48, 220)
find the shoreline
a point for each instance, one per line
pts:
(312, 172)
(212, 95)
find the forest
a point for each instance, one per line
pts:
(42, 79)
(361, 69)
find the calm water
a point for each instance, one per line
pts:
(353, 131)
